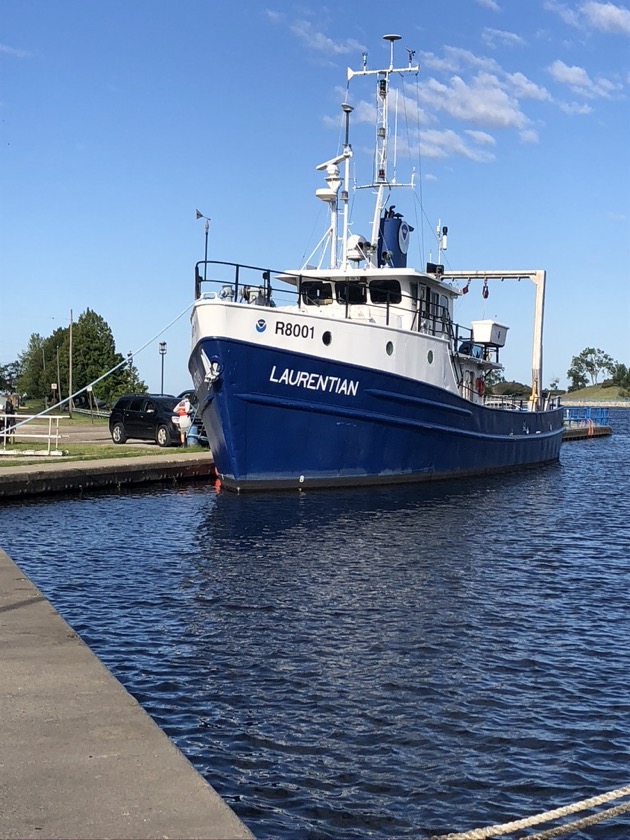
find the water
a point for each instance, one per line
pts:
(371, 663)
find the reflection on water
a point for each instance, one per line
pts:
(367, 663)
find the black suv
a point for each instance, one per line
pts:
(145, 416)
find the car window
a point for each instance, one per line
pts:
(135, 405)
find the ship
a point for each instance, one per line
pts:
(352, 369)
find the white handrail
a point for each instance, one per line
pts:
(10, 429)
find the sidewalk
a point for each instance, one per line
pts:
(79, 757)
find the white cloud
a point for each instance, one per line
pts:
(445, 143)
(273, 16)
(482, 102)
(471, 90)
(489, 4)
(482, 138)
(490, 98)
(529, 136)
(573, 108)
(578, 80)
(524, 88)
(13, 51)
(567, 14)
(607, 17)
(456, 58)
(498, 37)
(322, 43)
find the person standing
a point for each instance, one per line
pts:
(10, 420)
(183, 410)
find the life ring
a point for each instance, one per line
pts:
(480, 386)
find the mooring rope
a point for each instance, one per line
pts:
(507, 828)
(600, 816)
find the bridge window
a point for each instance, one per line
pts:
(352, 293)
(316, 293)
(385, 291)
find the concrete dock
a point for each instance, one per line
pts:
(60, 476)
(79, 757)
(585, 432)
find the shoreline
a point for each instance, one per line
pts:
(54, 478)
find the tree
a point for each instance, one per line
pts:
(56, 353)
(621, 378)
(9, 375)
(512, 389)
(33, 365)
(133, 383)
(94, 353)
(492, 379)
(588, 365)
(47, 361)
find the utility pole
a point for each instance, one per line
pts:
(58, 397)
(70, 368)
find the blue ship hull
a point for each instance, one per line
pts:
(280, 419)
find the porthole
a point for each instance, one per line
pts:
(389, 348)
(430, 357)
(327, 338)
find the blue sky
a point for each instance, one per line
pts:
(120, 118)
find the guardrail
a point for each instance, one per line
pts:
(11, 426)
(577, 416)
(91, 413)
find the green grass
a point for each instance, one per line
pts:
(91, 452)
(595, 392)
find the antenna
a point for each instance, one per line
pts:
(333, 161)
(442, 232)
(392, 40)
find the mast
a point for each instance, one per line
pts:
(347, 151)
(381, 181)
(329, 193)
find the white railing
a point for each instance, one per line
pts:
(12, 427)
(90, 412)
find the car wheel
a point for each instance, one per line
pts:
(118, 433)
(163, 437)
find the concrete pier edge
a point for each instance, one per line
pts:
(19, 481)
(79, 757)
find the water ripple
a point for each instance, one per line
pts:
(382, 663)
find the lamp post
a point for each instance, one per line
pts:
(162, 354)
(199, 215)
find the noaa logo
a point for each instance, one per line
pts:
(403, 237)
(261, 325)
